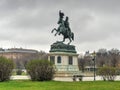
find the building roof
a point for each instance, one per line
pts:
(17, 50)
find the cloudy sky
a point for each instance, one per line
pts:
(28, 23)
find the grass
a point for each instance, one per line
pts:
(55, 85)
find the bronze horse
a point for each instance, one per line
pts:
(64, 28)
(63, 31)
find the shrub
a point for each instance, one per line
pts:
(6, 67)
(80, 77)
(40, 70)
(74, 78)
(107, 73)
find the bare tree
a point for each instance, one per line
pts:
(81, 64)
(114, 56)
(108, 58)
(43, 55)
(101, 57)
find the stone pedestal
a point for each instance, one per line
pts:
(64, 58)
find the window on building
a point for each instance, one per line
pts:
(59, 59)
(52, 59)
(70, 60)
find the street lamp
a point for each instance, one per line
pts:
(94, 58)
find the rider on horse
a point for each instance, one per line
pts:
(61, 22)
(61, 16)
(66, 23)
(63, 25)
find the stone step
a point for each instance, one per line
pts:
(66, 73)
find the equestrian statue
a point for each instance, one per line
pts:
(64, 28)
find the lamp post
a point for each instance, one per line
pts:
(94, 55)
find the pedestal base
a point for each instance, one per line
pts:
(66, 64)
(65, 59)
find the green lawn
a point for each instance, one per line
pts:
(54, 85)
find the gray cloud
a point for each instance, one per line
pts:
(29, 22)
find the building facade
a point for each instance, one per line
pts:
(20, 56)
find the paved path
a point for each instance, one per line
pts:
(19, 77)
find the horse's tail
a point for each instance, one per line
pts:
(72, 36)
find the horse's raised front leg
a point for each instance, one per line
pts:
(56, 33)
(53, 30)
